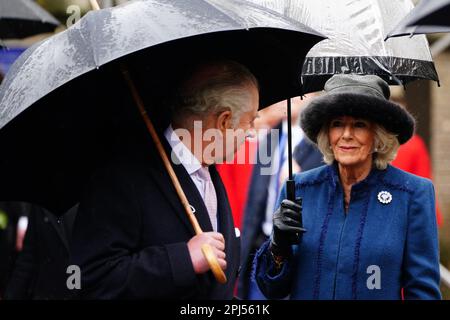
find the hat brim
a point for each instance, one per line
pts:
(323, 109)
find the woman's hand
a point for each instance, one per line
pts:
(287, 227)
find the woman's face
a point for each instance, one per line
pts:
(352, 141)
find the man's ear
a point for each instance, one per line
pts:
(224, 120)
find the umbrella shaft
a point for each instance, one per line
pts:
(289, 118)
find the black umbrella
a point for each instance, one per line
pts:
(356, 31)
(23, 18)
(65, 108)
(431, 16)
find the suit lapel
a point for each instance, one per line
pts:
(225, 218)
(57, 226)
(162, 178)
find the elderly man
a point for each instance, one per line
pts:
(132, 238)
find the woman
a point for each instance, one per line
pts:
(370, 228)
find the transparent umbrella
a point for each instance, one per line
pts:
(356, 32)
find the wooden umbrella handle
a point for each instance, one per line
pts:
(206, 249)
(214, 264)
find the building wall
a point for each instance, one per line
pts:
(440, 143)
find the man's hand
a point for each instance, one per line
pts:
(217, 243)
(287, 227)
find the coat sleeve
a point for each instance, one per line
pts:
(274, 285)
(421, 257)
(106, 247)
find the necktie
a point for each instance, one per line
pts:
(210, 197)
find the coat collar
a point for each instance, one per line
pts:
(225, 218)
(371, 180)
(223, 206)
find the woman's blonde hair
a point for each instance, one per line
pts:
(385, 146)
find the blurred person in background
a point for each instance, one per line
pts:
(39, 271)
(11, 237)
(236, 179)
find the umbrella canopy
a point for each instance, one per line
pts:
(356, 31)
(23, 18)
(431, 16)
(64, 105)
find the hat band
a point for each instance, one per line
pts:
(358, 89)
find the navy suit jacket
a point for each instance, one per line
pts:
(131, 232)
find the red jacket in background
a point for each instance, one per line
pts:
(413, 157)
(236, 178)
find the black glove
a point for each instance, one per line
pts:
(287, 227)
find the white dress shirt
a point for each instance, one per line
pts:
(188, 160)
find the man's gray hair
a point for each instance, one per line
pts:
(215, 87)
(385, 146)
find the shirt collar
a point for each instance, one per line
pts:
(184, 155)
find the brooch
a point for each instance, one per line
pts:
(384, 197)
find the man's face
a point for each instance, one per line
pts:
(231, 138)
(246, 123)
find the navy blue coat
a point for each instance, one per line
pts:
(341, 255)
